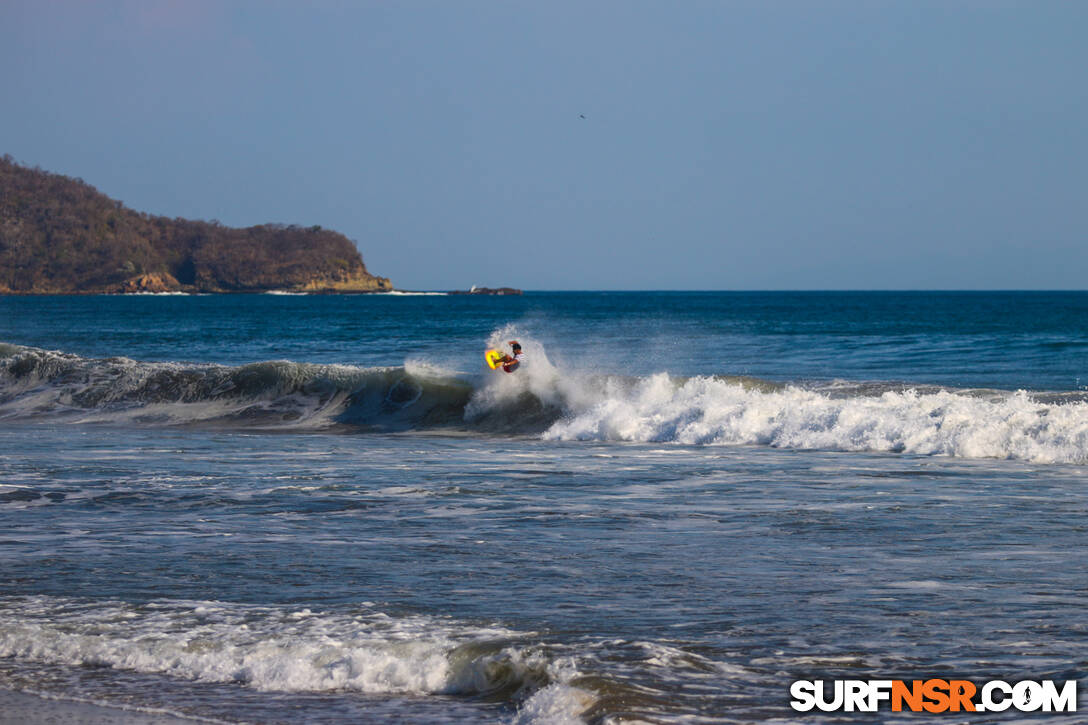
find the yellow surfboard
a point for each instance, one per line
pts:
(494, 358)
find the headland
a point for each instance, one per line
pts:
(60, 235)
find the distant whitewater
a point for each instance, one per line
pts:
(541, 400)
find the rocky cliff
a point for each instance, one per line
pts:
(59, 235)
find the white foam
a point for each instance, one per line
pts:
(174, 293)
(712, 411)
(402, 293)
(719, 411)
(558, 704)
(290, 650)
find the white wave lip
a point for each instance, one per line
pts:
(272, 649)
(710, 411)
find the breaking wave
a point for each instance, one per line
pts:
(272, 649)
(37, 383)
(542, 400)
(968, 424)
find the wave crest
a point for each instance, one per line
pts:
(706, 411)
(540, 399)
(38, 383)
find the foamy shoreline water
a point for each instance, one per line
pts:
(21, 708)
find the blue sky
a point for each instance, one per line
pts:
(724, 145)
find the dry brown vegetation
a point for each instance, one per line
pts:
(61, 235)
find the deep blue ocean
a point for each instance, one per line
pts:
(326, 508)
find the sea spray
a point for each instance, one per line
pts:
(708, 411)
(540, 399)
(528, 399)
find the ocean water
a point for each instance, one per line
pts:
(325, 509)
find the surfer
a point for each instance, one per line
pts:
(511, 362)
